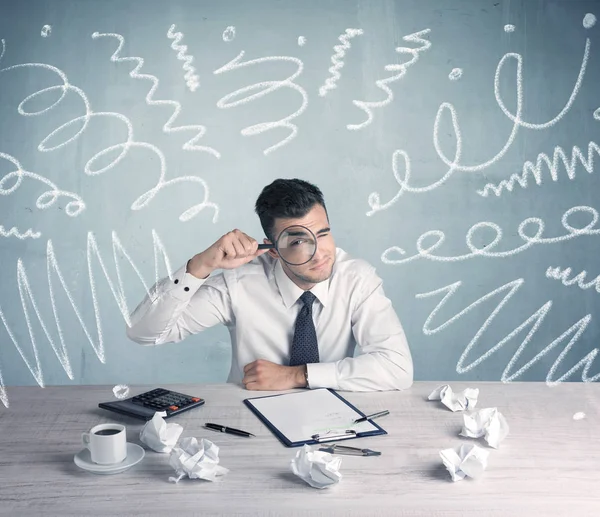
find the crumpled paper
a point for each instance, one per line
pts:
(487, 422)
(466, 460)
(197, 460)
(319, 469)
(159, 435)
(467, 399)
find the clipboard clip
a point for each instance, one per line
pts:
(329, 436)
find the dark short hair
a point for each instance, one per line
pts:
(286, 199)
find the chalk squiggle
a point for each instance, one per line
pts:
(45, 200)
(556, 273)
(53, 269)
(122, 148)
(264, 88)
(454, 163)
(14, 232)
(383, 83)
(338, 60)
(535, 169)
(191, 79)
(534, 321)
(487, 250)
(190, 145)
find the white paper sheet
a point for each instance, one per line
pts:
(300, 415)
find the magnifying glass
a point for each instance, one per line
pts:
(296, 245)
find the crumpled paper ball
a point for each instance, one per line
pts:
(159, 435)
(467, 399)
(197, 460)
(319, 469)
(487, 422)
(466, 460)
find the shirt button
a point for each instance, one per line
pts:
(176, 281)
(186, 288)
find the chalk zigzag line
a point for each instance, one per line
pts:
(337, 60)
(191, 79)
(28, 303)
(14, 232)
(535, 321)
(190, 145)
(556, 273)
(534, 170)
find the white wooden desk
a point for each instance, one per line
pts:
(549, 465)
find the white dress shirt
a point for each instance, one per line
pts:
(259, 305)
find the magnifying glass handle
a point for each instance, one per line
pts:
(266, 246)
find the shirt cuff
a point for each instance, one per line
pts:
(322, 375)
(184, 285)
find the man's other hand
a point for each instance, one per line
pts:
(267, 376)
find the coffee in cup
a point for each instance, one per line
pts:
(107, 443)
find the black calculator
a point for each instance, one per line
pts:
(146, 404)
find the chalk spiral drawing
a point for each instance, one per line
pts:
(46, 30)
(14, 232)
(425, 251)
(509, 28)
(597, 114)
(367, 107)
(264, 88)
(53, 269)
(77, 205)
(338, 60)
(191, 79)
(301, 41)
(543, 161)
(454, 165)
(534, 321)
(556, 273)
(455, 74)
(589, 20)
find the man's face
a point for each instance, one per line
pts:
(319, 268)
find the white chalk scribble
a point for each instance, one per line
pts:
(557, 273)
(301, 41)
(46, 30)
(532, 323)
(229, 34)
(191, 79)
(338, 60)
(264, 88)
(14, 232)
(455, 74)
(368, 106)
(121, 391)
(509, 28)
(589, 20)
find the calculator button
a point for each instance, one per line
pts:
(195, 399)
(173, 408)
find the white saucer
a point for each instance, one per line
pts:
(135, 454)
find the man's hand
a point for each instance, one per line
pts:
(232, 250)
(267, 376)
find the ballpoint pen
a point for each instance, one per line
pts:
(371, 417)
(228, 430)
(354, 451)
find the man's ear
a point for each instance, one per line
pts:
(272, 251)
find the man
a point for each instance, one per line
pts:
(291, 326)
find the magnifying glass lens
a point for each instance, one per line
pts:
(297, 245)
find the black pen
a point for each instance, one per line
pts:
(228, 430)
(370, 417)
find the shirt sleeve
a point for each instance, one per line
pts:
(180, 306)
(384, 361)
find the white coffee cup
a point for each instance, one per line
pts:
(107, 443)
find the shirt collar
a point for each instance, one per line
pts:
(290, 292)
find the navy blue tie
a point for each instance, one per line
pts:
(305, 348)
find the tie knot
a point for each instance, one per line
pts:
(308, 298)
